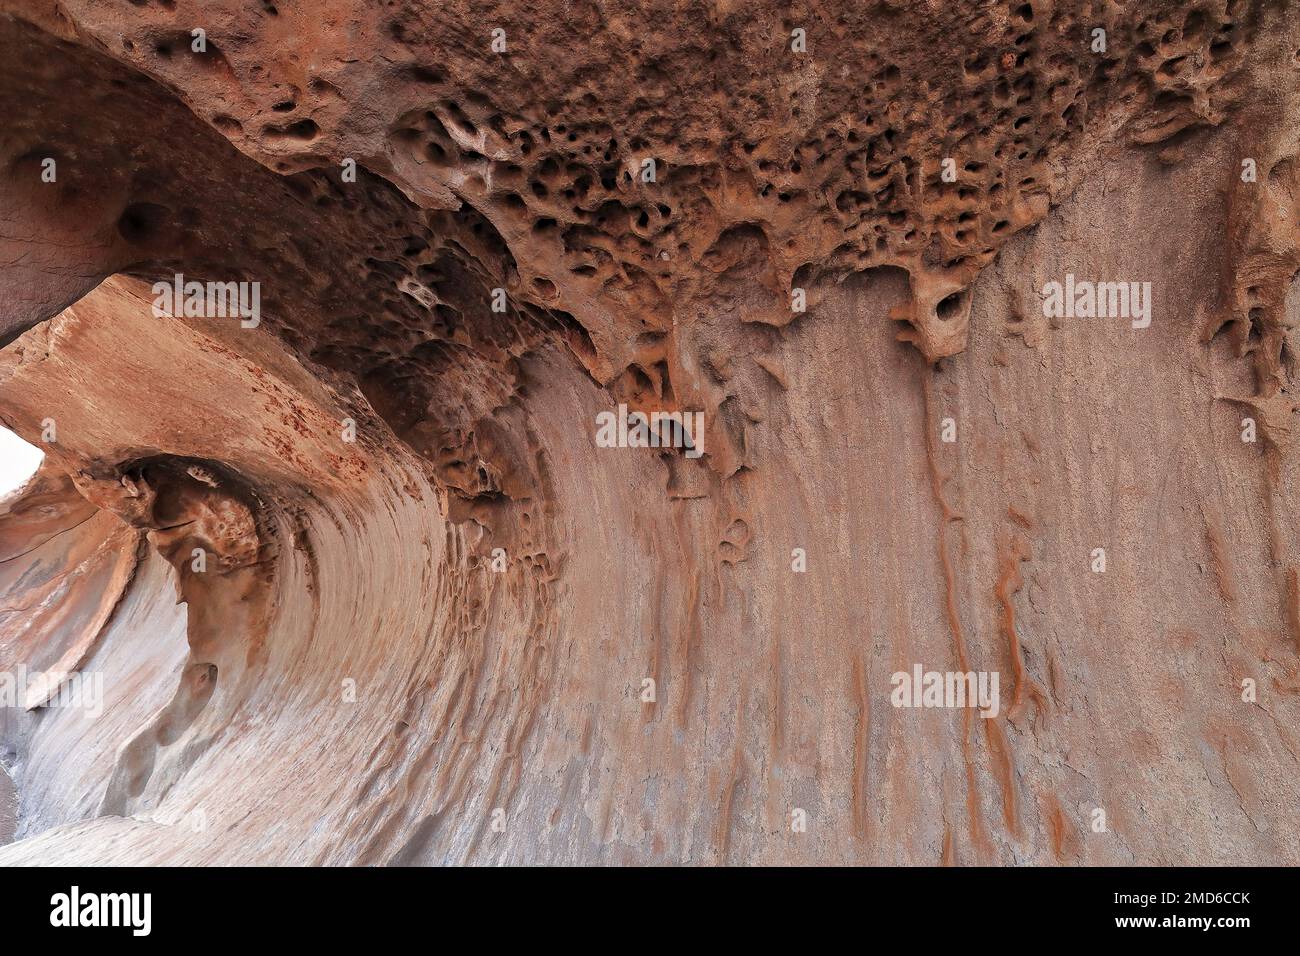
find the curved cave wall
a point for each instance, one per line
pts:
(986, 310)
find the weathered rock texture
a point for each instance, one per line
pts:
(348, 679)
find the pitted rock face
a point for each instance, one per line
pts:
(475, 227)
(619, 189)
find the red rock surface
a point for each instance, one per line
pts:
(428, 601)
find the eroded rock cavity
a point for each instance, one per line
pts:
(362, 581)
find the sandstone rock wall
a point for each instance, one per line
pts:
(427, 602)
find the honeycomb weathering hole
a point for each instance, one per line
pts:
(140, 222)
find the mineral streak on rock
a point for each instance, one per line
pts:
(363, 588)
